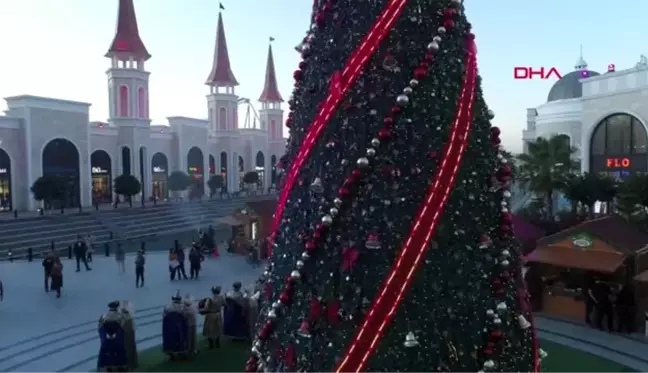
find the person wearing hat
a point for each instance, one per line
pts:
(211, 308)
(235, 323)
(175, 329)
(129, 334)
(112, 351)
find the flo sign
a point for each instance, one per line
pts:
(582, 241)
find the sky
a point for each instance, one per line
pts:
(55, 48)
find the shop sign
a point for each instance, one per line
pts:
(618, 163)
(582, 241)
(159, 170)
(99, 170)
(194, 169)
(3, 170)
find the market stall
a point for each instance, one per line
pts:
(608, 249)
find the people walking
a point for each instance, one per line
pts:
(139, 269)
(80, 253)
(173, 263)
(180, 254)
(195, 261)
(57, 276)
(89, 248)
(48, 263)
(120, 257)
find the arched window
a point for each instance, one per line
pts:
(222, 119)
(141, 103)
(123, 101)
(618, 146)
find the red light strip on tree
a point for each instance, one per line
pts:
(340, 84)
(384, 307)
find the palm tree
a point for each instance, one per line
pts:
(546, 168)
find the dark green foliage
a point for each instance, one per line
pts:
(127, 186)
(251, 177)
(446, 306)
(214, 183)
(49, 188)
(178, 181)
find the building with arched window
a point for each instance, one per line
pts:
(44, 136)
(605, 117)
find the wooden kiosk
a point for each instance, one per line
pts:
(607, 248)
(249, 224)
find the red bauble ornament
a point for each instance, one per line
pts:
(396, 109)
(448, 23)
(505, 170)
(388, 121)
(507, 217)
(496, 141)
(420, 73)
(495, 131)
(289, 122)
(384, 134)
(315, 308)
(357, 174)
(449, 13)
(317, 235)
(344, 192)
(285, 297)
(495, 334)
(310, 247)
(297, 75)
(488, 351)
(471, 36)
(265, 332)
(429, 56)
(349, 181)
(302, 65)
(505, 227)
(319, 20)
(432, 155)
(424, 64)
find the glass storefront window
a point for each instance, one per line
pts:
(5, 194)
(619, 134)
(639, 139)
(101, 190)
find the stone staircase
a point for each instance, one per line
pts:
(38, 233)
(156, 225)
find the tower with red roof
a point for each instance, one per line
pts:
(271, 115)
(222, 106)
(128, 94)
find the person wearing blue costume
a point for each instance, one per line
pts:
(176, 329)
(235, 324)
(113, 355)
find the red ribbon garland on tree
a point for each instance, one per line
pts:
(349, 258)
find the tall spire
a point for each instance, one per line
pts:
(221, 74)
(127, 42)
(270, 91)
(581, 64)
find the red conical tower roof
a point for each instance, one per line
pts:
(270, 91)
(127, 42)
(221, 74)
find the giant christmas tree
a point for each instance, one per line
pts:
(393, 247)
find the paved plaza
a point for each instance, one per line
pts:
(43, 333)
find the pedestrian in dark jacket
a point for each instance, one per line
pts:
(140, 261)
(195, 260)
(181, 263)
(81, 254)
(48, 263)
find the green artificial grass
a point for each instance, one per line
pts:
(231, 357)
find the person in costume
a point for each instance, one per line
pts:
(190, 313)
(130, 342)
(235, 323)
(112, 351)
(195, 260)
(254, 307)
(211, 308)
(175, 329)
(57, 276)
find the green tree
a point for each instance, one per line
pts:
(628, 202)
(48, 189)
(546, 168)
(251, 177)
(405, 261)
(215, 183)
(127, 186)
(178, 181)
(575, 191)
